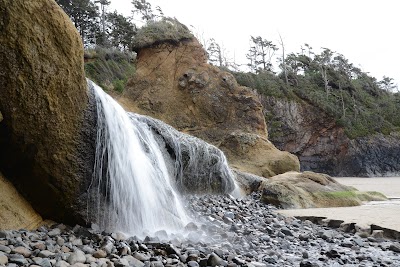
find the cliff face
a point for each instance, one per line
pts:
(322, 145)
(174, 83)
(377, 155)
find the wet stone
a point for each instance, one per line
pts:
(156, 264)
(45, 263)
(133, 261)
(23, 251)
(5, 249)
(3, 259)
(193, 264)
(395, 247)
(17, 259)
(54, 232)
(100, 254)
(5, 234)
(286, 231)
(141, 256)
(215, 260)
(77, 257)
(46, 254)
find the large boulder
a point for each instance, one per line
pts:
(15, 211)
(257, 155)
(44, 147)
(174, 83)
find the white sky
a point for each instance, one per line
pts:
(365, 32)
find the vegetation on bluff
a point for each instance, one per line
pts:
(109, 68)
(359, 102)
(166, 30)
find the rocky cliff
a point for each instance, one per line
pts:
(322, 145)
(174, 83)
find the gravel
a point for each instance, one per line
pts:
(224, 232)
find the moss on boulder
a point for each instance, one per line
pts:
(44, 143)
(312, 190)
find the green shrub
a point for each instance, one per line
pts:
(360, 106)
(166, 30)
(118, 85)
(109, 68)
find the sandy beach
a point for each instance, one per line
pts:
(383, 213)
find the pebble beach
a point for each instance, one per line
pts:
(224, 232)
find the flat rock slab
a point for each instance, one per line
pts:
(382, 213)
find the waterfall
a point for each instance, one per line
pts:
(198, 167)
(140, 165)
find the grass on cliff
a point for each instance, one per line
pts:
(348, 198)
(109, 68)
(166, 30)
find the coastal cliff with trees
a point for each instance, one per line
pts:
(202, 190)
(318, 105)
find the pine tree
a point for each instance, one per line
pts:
(84, 14)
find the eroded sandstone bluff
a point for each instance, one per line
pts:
(45, 139)
(174, 83)
(322, 145)
(48, 115)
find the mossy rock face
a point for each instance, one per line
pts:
(312, 190)
(44, 147)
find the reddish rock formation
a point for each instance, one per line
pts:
(307, 132)
(175, 84)
(322, 145)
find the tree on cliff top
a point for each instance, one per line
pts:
(388, 84)
(121, 31)
(359, 102)
(84, 14)
(260, 54)
(143, 8)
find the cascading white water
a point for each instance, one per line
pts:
(134, 191)
(198, 167)
(140, 163)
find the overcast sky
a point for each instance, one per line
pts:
(365, 32)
